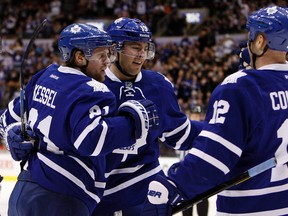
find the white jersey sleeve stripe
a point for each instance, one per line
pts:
(282, 211)
(184, 137)
(52, 147)
(132, 181)
(100, 184)
(84, 133)
(67, 174)
(11, 111)
(88, 170)
(100, 143)
(211, 160)
(124, 170)
(90, 128)
(175, 131)
(254, 192)
(235, 149)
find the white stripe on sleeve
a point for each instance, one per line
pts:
(230, 146)
(282, 211)
(254, 192)
(11, 111)
(184, 137)
(101, 141)
(175, 131)
(87, 130)
(209, 159)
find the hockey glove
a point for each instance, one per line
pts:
(20, 147)
(243, 53)
(144, 114)
(162, 196)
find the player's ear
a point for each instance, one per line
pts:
(260, 43)
(117, 53)
(80, 59)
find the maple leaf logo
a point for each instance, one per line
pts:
(97, 86)
(75, 29)
(271, 10)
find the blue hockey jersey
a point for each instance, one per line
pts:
(69, 113)
(247, 121)
(129, 170)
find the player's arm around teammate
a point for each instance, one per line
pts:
(69, 111)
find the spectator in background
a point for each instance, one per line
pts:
(12, 87)
(2, 82)
(185, 41)
(206, 38)
(15, 17)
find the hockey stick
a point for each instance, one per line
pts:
(256, 170)
(21, 79)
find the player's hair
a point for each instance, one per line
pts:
(273, 22)
(84, 37)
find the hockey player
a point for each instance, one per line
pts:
(129, 170)
(68, 109)
(247, 120)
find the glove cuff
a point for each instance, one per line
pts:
(10, 126)
(141, 118)
(163, 191)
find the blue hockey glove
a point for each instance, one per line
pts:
(244, 61)
(20, 147)
(162, 196)
(143, 112)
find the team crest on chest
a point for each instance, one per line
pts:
(97, 86)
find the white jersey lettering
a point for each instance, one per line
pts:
(44, 95)
(279, 100)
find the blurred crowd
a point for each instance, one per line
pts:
(195, 67)
(20, 17)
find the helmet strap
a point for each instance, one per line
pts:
(254, 55)
(117, 64)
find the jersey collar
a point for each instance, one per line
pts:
(277, 67)
(64, 69)
(112, 76)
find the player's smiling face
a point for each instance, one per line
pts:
(133, 56)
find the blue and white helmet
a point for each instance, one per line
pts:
(85, 37)
(127, 29)
(273, 21)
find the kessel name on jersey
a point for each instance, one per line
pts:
(44, 95)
